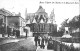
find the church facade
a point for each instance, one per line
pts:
(41, 23)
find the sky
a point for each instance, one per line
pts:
(63, 9)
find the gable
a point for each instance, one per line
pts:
(5, 12)
(1, 12)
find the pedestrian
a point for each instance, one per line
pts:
(71, 47)
(46, 40)
(17, 33)
(39, 40)
(36, 40)
(42, 43)
(26, 32)
(14, 31)
(8, 30)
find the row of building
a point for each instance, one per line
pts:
(38, 22)
(10, 21)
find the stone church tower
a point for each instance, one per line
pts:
(52, 17)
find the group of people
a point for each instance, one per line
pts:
(13, 32)
(40, 41)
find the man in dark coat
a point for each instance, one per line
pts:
(17, 33)
(36, 40)
(9, 31)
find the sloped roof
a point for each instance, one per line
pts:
(6, 12)
(28, 22)
(41, 10)
(41, 21)
(34, 21)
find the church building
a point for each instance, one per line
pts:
(40, 22)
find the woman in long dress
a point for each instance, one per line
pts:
(42, 43)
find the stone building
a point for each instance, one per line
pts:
(3, 20)
(16, 22)
(39, 24)
(11, 22)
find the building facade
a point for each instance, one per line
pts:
(17, 23)
(3, 21)
(9, 23)
(40, 23)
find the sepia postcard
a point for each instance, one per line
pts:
(39, 25)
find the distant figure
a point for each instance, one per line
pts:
(26, 32)
(14, 32)
(42, 43)
(39, 40)
(17, 33)
(36, 40)
(46, 40)
(8, 30)
(71, 47)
